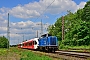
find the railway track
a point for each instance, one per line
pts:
(74, 54)
(66, 55)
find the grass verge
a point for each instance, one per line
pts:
(20, 54)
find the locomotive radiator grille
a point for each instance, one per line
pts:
(52, 41)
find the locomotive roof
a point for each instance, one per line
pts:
(45, 35)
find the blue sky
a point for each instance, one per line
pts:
(28, 13)
(13, 3)
(78, 1)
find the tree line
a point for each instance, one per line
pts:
(76, 27)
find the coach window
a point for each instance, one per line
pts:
(19, 45)
(30, 43)
(26, 44)
(22, 44)
(35, 42)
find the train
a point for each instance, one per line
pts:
(46, 42)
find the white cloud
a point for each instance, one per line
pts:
(3, 30)
(60, 6)
(81, 5)
(24, 12)
(3, 23)
(36, 9)
(27, 28)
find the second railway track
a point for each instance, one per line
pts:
(74, 54)
(63, 55)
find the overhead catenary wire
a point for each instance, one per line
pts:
(46, 8)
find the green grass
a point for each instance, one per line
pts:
(27, 55)
(78, 47)
(3, 52)
(75, 48)
(21, 54)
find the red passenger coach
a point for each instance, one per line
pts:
(33, 43)
(30, 44)
(24, 45)
(20, 45)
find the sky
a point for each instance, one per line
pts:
(25, 16)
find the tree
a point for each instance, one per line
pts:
(3, 42)
(79, 14)
(56, 29)
(86, 12)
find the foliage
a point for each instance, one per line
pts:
(3, 42)
(86, 12)
(83, 47)
(76, 27)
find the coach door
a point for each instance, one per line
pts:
(35, 44)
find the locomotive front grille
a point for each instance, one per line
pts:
(52, 41)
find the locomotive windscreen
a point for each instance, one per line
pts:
(45, 35)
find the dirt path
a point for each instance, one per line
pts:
(10, 56)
